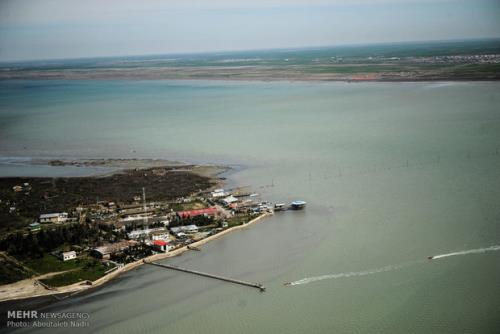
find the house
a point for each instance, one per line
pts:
(53, 217)
(212, 211)
(35, 227)
(161, 246)
(176, 230)
(66, 256)
(218, 193)
(184, 229)
(160, 235)
(229, 200)
(190, 228)
(105, 251)
(17, 188)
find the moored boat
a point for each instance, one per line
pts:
(298, 205)
(279, 206)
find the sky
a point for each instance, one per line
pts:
(52, 29)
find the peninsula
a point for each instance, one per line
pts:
(65, 235)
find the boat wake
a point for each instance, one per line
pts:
(308, 280)
(466, 252)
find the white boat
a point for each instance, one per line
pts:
(298, 205)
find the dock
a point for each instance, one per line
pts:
(199, 273)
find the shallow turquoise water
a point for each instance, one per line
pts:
(392, 173)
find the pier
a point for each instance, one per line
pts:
(199, 273)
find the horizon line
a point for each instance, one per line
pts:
(229, 51)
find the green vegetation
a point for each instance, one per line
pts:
(34, 245)
(238, 220)
(417, 61)
(46, 195)
(193, 205)
(49, 263)
(91, 271)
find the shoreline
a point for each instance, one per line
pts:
(99, 167)
(79, 287)
(277, 79)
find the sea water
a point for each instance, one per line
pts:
(392, 173)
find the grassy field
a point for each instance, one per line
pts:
(91, 272)
(81, 269)
(194, 205)
(238, 220)
(49, 263)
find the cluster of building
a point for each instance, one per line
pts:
(156, 226)
(50, 218)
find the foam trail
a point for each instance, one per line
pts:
(353, 273)
(466, 252)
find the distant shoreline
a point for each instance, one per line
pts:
(241, 75)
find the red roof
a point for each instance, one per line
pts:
(193, 213)
(160, 243)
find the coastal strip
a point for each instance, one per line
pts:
(7, 293)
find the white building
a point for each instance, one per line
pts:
(229, 200)
(54, 217)
(137, 234)
(66, 256)
(161, 246)
(190, 229)
(184, 229)
(160, 235)
(217, 193)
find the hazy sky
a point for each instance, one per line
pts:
(40, 29)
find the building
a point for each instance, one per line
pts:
(193, 213)
(66, 256)
(17, 188)
(190, 229)
(161, 246)
(218, 193)
(105, 251)
(35, 227)
(144, 233)
(160, 235)
(184, 229)
(54, 218)
(229, 200)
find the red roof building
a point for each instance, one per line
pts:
(161, 245)
(193, 213)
